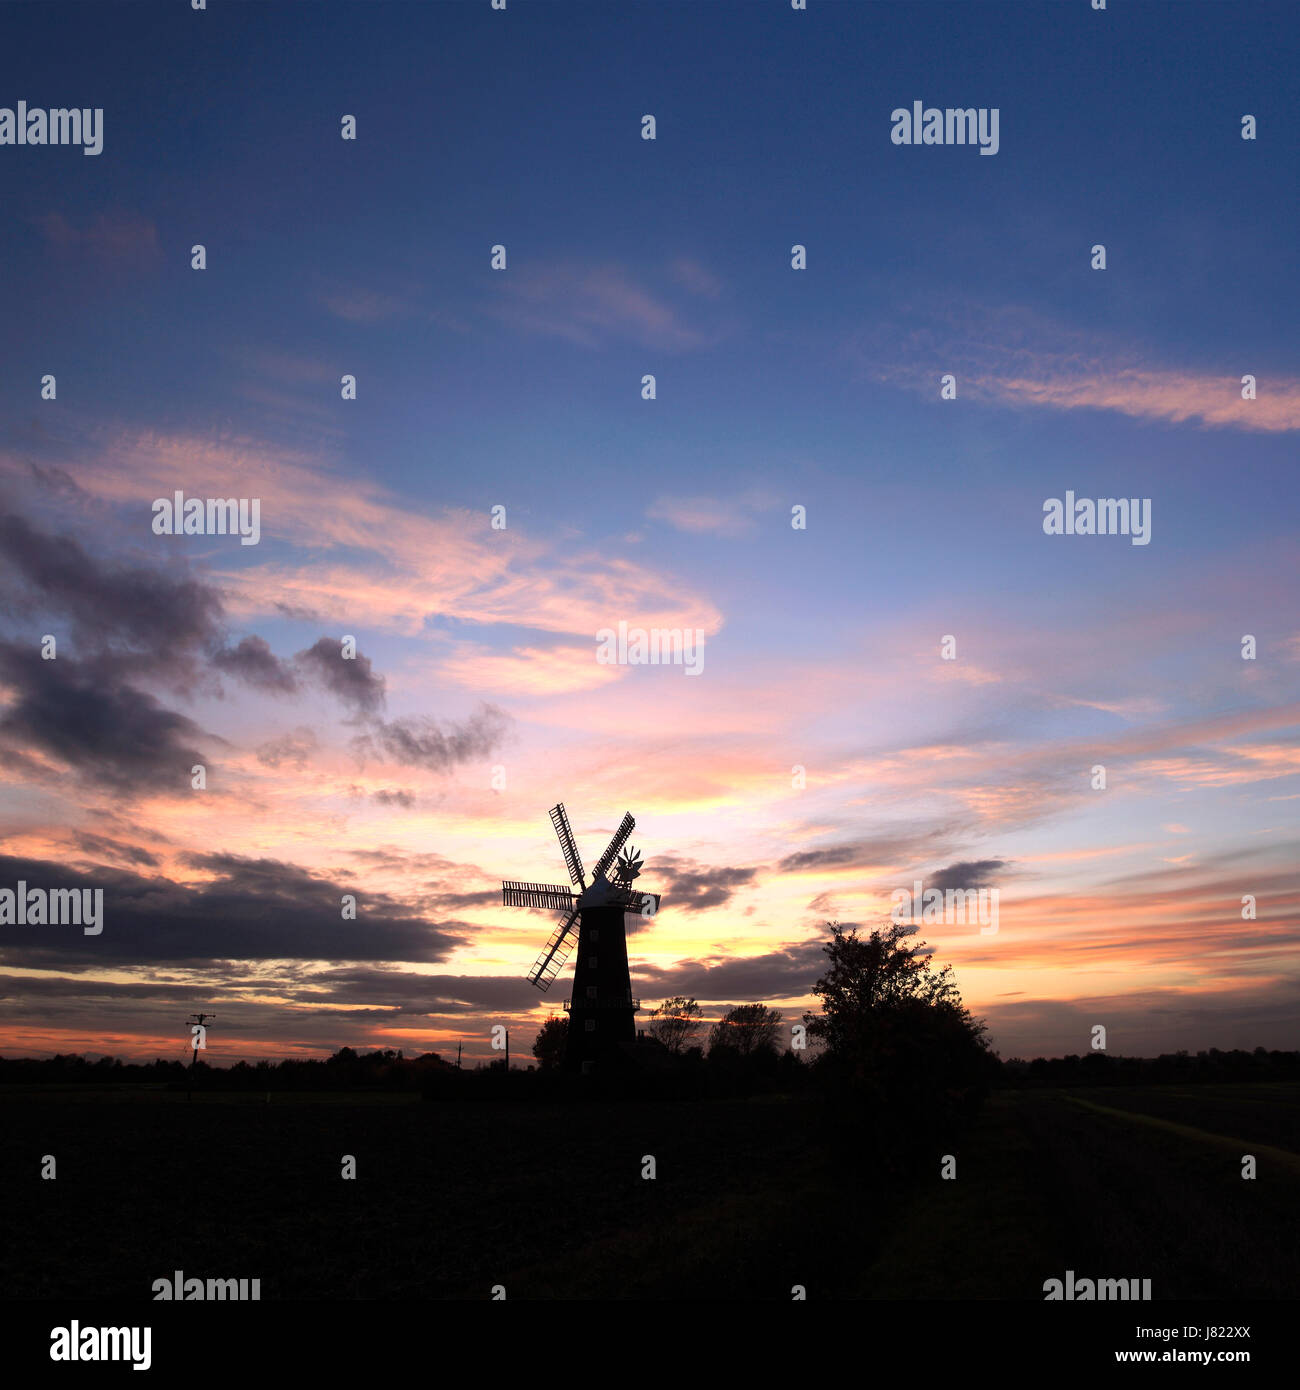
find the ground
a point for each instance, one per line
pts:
(749, 1199)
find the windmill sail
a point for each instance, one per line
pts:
(564, 833)
(549, 964)
(632, 900)
(553, 896)
(611, 850)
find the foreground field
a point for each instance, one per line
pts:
(748, 1199)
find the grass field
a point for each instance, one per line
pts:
(748, 1198)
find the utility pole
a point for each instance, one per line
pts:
(507, 1049)
(458, 1056)
(197, 1040)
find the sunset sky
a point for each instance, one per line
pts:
(522, 389)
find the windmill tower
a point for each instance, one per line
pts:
(601, 1010)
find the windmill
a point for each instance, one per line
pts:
(601, 1010)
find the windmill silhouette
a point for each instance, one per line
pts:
(601, 1010)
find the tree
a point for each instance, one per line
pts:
(748, 1029)
(898, 1044)
(550, 1043)
(675, 1023)
(870, 978)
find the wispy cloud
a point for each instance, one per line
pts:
(716, 516)
(361, 306)
(1152, 393)
(115, 235)
(594, 305)
(557, 670)
(695, 277)
(1013, 356)
(371, 557)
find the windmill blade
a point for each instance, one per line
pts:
(555, 897)
(616, 844)
(551, 961)
(632, 901)
(564, 833)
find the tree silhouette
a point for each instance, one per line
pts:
(869, 977)
(549, 1045)
(899, 1049)
(747, 1029)
(675, 1023)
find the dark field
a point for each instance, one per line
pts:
(548, 1200)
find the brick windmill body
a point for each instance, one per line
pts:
(602, 1011)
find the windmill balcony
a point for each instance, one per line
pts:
(617, 1002)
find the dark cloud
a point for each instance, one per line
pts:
(458, 902)
(58, 483)
(352, 680)
(446, 995)
(691, 885)
(104, 848)
(131, 627)
(297, 613)
(253, 661)
(893, 849)
(253, 909)
(85, 716)
(420, 742)
(970, 873)
(164, 622)
(294, 748)
(393, 796)
(159, 619)
(789, 972)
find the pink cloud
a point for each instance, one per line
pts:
(374, 558)
(1154, 394)
(528, 670)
